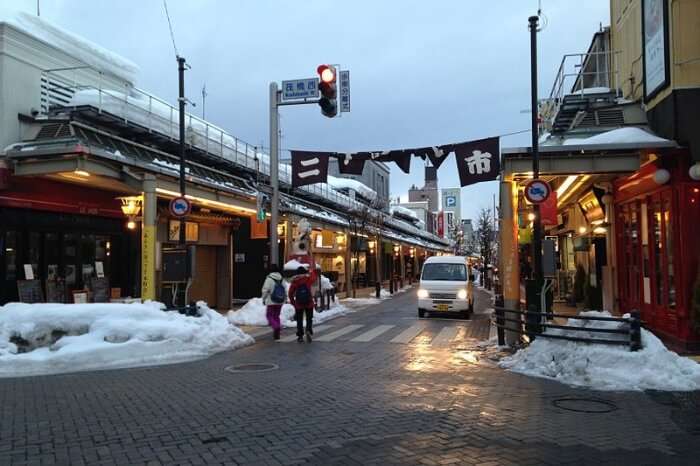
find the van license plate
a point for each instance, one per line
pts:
(443, 307)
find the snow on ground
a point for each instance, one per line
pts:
(606, 367)
(254, 313)
(80, 337)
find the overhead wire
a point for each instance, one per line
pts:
(170, 26)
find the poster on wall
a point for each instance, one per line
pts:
(655, 35)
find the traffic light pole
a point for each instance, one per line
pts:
(274, 172)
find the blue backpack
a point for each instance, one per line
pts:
(302, 295)
(278, 293)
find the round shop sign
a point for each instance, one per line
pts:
(180, 206)
(537, 191)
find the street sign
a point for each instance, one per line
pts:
(179, 207)
(537, 191)
(344, 88)
(300, 89)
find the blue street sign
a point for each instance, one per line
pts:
(300, 89)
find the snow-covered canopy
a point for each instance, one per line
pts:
(401, 210)
(81, 49)
(347, 183)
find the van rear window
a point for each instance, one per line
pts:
(446, 272)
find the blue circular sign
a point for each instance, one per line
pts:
(180, 206)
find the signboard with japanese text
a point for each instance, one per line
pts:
(344, 90)
(655, 41)
(300, 89)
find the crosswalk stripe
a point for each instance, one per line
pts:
(445, 337)
(259, 332)
(338, 333)
(409, 334)
(293, 336)
(372, 334)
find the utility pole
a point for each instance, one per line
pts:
(181, 103)
(274, 171)
(537, 224)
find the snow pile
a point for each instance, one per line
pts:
(606, 367)
(78, 337)
(630, 135)
(326, 283)
(81, 49)
(347, 183)
(254, 313)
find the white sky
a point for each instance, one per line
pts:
(422, 73)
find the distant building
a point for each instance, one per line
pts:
(375, 176)
(467, 231)
(429, 192)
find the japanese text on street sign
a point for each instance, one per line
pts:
(344, 90)
(300, 89)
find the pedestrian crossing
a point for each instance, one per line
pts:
(434, 334)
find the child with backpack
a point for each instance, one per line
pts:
(301, 297)
(273, 296)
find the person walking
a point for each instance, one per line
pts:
(302, 299)
(273, 296)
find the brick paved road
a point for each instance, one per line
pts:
(358, 398)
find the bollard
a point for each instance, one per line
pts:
(377, 288)
(635, 331)
(391, 285)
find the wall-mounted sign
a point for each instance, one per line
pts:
(655, 40)
(239, 257)
(191, 231)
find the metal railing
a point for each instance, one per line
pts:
(572, 78)
(534, 325)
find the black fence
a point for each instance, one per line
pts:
(532, 324)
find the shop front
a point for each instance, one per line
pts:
(63, 236)
(329, 250)
(657, 247)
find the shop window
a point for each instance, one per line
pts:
(34, 252)
(10, 255)
(658, 252)
(52, 254)
(668, 233)
(70, 254)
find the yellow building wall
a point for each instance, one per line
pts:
(684, 46)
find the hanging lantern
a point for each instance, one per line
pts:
(694, 171)
(661, 176)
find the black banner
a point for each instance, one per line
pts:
(309, 167)
(478, 160)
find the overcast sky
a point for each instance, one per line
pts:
(422, 73)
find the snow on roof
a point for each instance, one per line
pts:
(629, 135)
(81, 49)
(401, 210)
(347, 183)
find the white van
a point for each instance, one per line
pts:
(446, 286)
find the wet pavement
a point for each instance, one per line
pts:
(378, 386)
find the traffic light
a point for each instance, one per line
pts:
(329, 91)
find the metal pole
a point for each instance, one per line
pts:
(274, 171)
(181, 103)
(537, 226)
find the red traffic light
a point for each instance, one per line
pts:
(326, 73)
